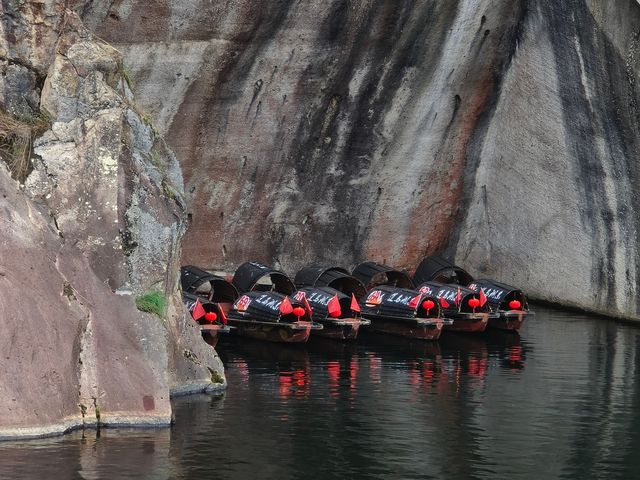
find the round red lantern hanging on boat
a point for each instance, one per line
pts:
(298, 312)
(514, 305)
(474, 303)
(428, 304)
(210, 316)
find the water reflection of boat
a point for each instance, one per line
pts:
(253, 352)
(420, 361)
(328, 349)
(465, 344)
(394, 348)
(502, 344)
(289, 362)
(508, 346)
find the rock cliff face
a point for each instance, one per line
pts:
(504, 133)
(94, 219)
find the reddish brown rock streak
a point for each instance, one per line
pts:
(337, 132)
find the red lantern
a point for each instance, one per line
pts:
(428, 304)
(474, 303)
(514, 305)
(298, 312)
(210, 317)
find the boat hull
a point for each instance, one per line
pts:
(342, 329)
(468, 322)
(420, 330)
(297, 332)
(509, 320)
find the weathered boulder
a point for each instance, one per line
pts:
(98, 222)
(504, 133)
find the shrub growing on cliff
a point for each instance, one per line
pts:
(152, 302)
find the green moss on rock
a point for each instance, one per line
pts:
(152, 302)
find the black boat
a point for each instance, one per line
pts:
(508, 305)
(460, 304)
(338, 313)
(209, 298)
(399, 311)
(211, 318)
(265, 310)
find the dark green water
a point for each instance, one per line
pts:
(561, 400)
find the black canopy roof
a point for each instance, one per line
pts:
(436, 268)
(249, 274)
(335, 277)
(192, 278)
(372, 274)
(190, 299)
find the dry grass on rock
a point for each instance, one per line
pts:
(16, 141)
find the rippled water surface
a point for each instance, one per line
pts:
(560, 400)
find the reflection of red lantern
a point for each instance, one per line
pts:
(210, 317)
(474, 303)
(515, 354)
(514, 305)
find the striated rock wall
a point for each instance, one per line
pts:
(561, 215)
(96, 219)
(504, 133)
